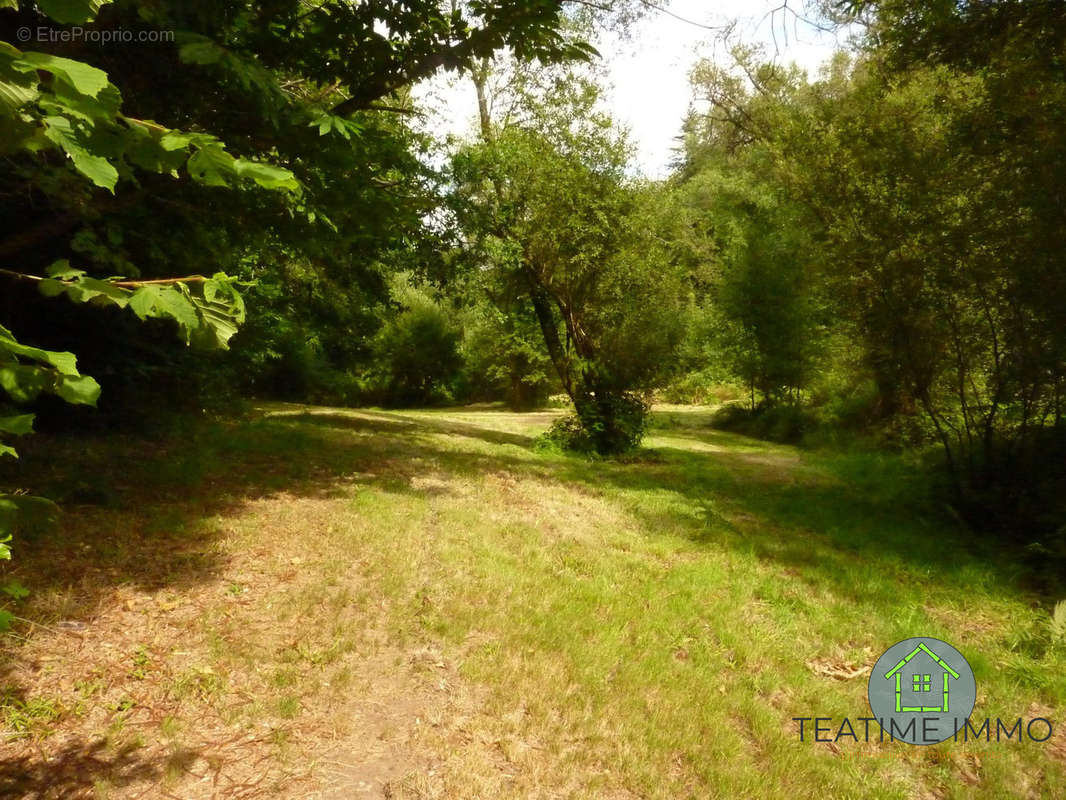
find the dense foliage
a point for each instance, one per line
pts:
(875, 248)
(147, 158)
(552, 217)
(905, 201)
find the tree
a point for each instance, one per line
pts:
(54, 104)
(417, 357)
(546, 203)
(113, 191)
(928, 189)
(763, 293)
(503, 349)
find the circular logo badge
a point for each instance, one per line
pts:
(922, 691)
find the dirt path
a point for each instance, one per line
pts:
(228, 645)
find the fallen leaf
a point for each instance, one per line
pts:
(839, 670)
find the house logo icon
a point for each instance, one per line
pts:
(921, 683)
(922, 691)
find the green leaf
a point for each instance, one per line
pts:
(143, 302)
(65, 362)
(103, 107)
(327, 122)
(150, 149)
(61, 269)
(80, 390)
(18, 425)
(9, 4)
(15, 590)
(15, 95)
(217, 329)
(8, 450)
(51, 288)
(80, 288)
(83, 77)
(23, 383)
(85, 289)
(211, 166)
(17, 87)
(7, 619)
(71, 12)
(178, 140)
(175, 140)
(96, 168)
(211, 319)
(172, 303)
(266, 175)
(24, 512)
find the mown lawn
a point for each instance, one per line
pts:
(336, 603)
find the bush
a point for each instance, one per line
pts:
(416, 356)
(614, 422)
(778, 423)
(505, 359)
(699, 388)
(566, 433)
(293, 368)
(614, 425)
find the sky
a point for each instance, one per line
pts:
(649, 89)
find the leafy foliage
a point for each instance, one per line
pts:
(417, 353)
(250, 97)
(50, 101)
(504, 355)
(764, 300)
(921, 175)
(546, 201)
(209, 314)
(26, 372)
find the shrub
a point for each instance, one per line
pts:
(700, 388)
(504, 359)
(779, 423)
(417, 356)
(566, 433)
(614, 422)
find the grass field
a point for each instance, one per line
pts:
(330, 603)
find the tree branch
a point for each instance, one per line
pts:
(25, 276)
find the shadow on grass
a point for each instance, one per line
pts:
(837, 515)
(867, 525)
(159, 502)
(144, 512)
(365, 421)
(75, 770)
(157, 506)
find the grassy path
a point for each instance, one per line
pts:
(333, 603)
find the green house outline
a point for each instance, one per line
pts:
(921, 648)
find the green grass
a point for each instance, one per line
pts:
(654, 620)
(642, 628)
